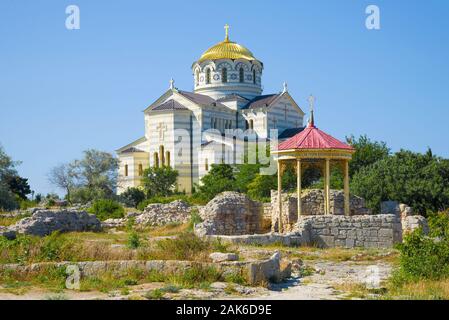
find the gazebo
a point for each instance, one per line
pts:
(313, 148)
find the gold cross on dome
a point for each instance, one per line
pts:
(226, 32)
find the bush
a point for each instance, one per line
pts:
(424, 257)
(133, 240)
(107, 209)
(132, 197)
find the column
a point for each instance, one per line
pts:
(327, 187)
(298, 182)
(346, 185)
(279, 196)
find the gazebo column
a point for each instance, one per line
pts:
(298, 182)
(327, 187)
(279, 196)
(346, 185)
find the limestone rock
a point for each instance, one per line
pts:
(411, 223)
(157, 214)
(230, 213)
(44, 222)
(220, 257)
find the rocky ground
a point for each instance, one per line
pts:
(319, 275)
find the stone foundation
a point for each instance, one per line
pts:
(255, 272)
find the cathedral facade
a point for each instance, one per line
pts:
(190, 131)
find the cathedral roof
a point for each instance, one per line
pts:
(200, 99)
(313, 138)
(170, 105)
(232, 97)
(132, 150)
(261, 101)
(227, 50)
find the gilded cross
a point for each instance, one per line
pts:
(162, 128)
(226, 32)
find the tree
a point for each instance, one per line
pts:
(132, 197)
(93, 177)
(7, 169)
(63, 177)
(244, 175)
(367, 152)
(19, 186)
(97, 170)
(159, 181)
(419, 180)
(219, 179)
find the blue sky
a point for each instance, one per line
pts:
(63, 91)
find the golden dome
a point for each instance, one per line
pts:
(227, 50)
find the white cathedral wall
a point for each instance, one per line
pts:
(134, 179)
(281, 120)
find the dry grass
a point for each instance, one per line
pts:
(8, 221)
(420, 290)
(168, 230)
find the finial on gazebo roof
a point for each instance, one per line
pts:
(311, 100)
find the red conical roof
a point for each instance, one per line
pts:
(313, 138)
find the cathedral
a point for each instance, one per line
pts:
(190, 131)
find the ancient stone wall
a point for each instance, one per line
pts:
(312, 202)
(368, 231)
(230, 213)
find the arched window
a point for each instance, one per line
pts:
(140, 170)
(242, 75)
(206, 165)
(161, 152)
(167, 157)
(197, 77)
(254, 76)
(251, 124)
(156, 160)
(126, 170)
(224, 75)
(208, 76)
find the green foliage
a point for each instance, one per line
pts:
(245, 174)
(26, 204)
(155, 294)
(367, 152)
(159, 181)
(196, 275)
(30, 249)
(107, 209)
(7, 169)
(261, 186)
(194, 219)
(132, 197)
(18, 185)
(133, 240)
(425, 257)
(419, 180)
(219, 179)
(194, 199)
(91, 178)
